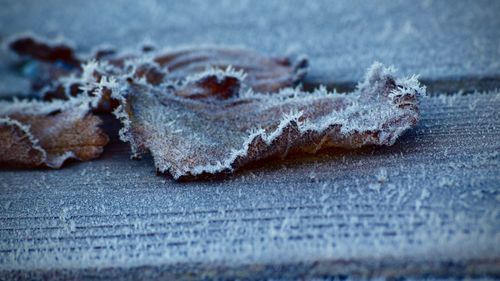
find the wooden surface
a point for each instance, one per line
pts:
(427, 207)
(431, 199)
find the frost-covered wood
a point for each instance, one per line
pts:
(427, 206)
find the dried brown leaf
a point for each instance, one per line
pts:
(263, 73)
(44, 50)
(43, 134)
(18, 147)
(220, 128)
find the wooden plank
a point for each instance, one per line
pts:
(427, 206)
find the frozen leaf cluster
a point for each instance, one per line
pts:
(212, 110)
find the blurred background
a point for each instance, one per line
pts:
(436, 39)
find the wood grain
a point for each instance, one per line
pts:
(427, 206)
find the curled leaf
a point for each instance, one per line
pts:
(211, 125)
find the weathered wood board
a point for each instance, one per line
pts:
(427, 205)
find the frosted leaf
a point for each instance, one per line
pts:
(61, 74)
(261, 73)
(213, 126)
(18, 147)
(36, 134)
